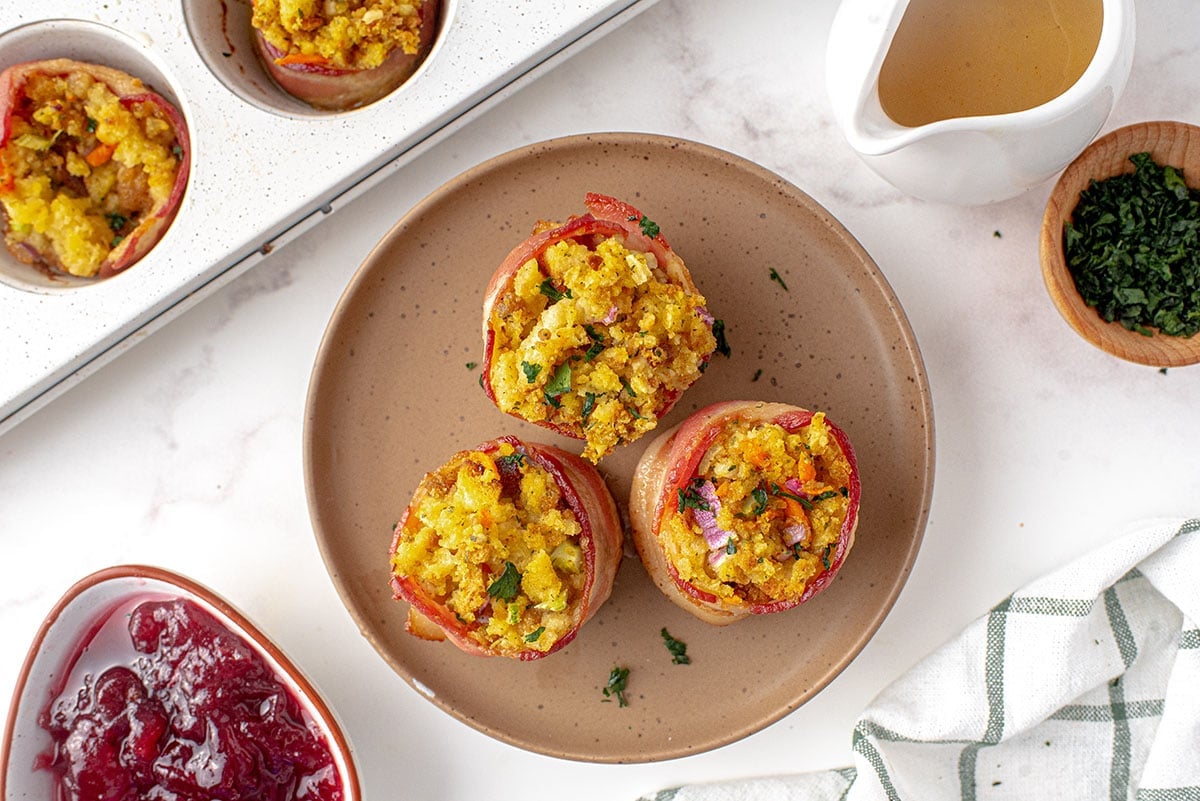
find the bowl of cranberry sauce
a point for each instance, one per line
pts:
(143, 684)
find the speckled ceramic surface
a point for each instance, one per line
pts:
(393, 395)
(265, 166)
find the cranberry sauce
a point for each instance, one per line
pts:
(183, 710)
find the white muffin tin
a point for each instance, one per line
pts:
(264, 165)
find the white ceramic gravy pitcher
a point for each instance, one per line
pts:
(967, 160)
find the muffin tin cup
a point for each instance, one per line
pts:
(225, 41)
(94, 43)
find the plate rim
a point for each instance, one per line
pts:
(923, 412)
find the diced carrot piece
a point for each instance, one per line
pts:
(485, 517)
(807, 471)
(301, 58)
(759, 459)
(794, 509)
(100, 154)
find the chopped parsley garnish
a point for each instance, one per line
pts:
(648, 226)
(116, 221)
(691, 498)
(634, 412)
(625, 386)
(760, 501)
(177, 151)
(514, 459)
(91, 126)
(618, 679)
(597, 343)
(825, 556)
(535, 634)
(678, 649)
(777, 278)
(559, 383)
(730, 548)
(505, 588)
(997, 234)
(548, 289)
(757, 374)
(116, 241)
(1132, 246)
(589, 402)
(472, 365)
(531, 371)
(826, 495)
(722, 343)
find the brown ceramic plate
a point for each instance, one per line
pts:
(392, 396)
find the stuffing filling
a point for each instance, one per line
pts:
(81, 170)
(346, 34)
(593, 339)
(495, 543)
(762, 515)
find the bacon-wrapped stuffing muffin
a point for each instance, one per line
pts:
(507, 549)
(745, 508)
(593, 328)
(343, 54)
(93, 166)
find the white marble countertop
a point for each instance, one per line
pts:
(186, 451)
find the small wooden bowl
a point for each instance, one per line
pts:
(1170, 143)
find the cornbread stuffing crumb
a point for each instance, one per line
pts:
(596, 339)
(497, 545)
(779, 511)
(81, 169)
(346, 34)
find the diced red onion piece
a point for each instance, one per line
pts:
(795, 533)
(704, 314)
(707, 518)
(716, 557)
(794, 486)
(707, 521)
(611, 317)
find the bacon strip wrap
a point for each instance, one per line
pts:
(333, 89)
(606, 217)
(130, 90)
(669, 464)
(585, 493)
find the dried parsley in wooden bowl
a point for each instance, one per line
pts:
(1120, 243)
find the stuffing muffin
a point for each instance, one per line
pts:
(745, 508)
(342, 54)
(93, 166)
(507, 550)
(593, 328)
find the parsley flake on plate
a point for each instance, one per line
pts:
(677, 648)
(618, 679)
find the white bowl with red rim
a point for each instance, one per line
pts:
(77, 617)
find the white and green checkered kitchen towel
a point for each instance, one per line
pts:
(1084, 685)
